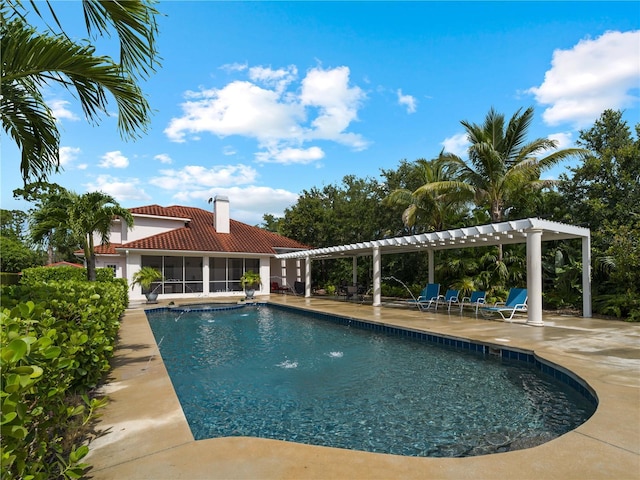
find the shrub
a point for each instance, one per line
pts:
(56, 344)
(40, 422)
(9, 278)
(42, 274)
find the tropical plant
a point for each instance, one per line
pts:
(145, 277)
(501, 163)
(92, 213)
(250, 279)
(33, 60)
(427, 208)
(56, 344)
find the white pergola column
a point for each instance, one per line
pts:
(586, 277)
(307, 276)
(534, 277)
(377, 271)
(283, 273)
(354, 271)
(431, 266)
(205, 276)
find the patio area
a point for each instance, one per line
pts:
(144, 434)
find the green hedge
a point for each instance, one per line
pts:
(9, 278)
(57, 337)
(40, 274)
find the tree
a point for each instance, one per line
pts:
(603, 193)
(48, 219)
(13, 223)
(271, 223)
(606, 186)
(33, 60)
(339, 214)
(16, 256)
(502, 164)
(92, 213)
(428, 209)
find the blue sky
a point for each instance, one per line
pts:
(262, 100)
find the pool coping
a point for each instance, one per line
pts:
(145, 435)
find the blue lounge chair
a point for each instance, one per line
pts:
(476, 299)
(516, 303)
(451, 296)
(428, 296)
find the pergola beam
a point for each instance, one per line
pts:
(531, 231)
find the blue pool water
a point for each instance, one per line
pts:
(264, 372)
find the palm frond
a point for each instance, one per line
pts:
(135, 23)
(31, 60)
(30, 123)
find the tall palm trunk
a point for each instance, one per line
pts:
(49, 251)
(496, 217)
(91, 259)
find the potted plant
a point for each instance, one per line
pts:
(249, 281)
(145, 277)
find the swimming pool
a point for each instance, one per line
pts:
(264, 372)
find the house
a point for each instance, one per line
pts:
(200, 253)
(64, 264)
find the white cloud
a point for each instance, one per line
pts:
(279, 116)
(279, 79)
(163, 158)
(592, 76)
(338, 105)
(289, 155)
(239, 108)
(114, 159)
(121, 190)
(407, 100)
(457, 144)
(68, 155)
(247, 204)
(234, 67)
(194, 178)
(564, 139)
(60, 111)
(228, 150)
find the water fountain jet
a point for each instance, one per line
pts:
(415, 300)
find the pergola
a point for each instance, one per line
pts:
(532, 231)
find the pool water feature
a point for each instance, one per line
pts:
(269, 373)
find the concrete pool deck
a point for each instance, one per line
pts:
(143, 433)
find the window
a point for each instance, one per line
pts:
(225, 273)
(180, 274)
(184, 274)
(193, 274)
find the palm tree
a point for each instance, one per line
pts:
(427, 207)
(32, 60)
(502, 164)
(49, 221)
(92, 213)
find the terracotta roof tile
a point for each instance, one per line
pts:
(201, 236)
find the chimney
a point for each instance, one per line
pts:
(221, 214)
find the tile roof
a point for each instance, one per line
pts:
(201, 236)
(64, 264)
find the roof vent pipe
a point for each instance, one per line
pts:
(221, 214)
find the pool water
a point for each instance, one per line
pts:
(268, 373)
